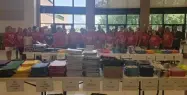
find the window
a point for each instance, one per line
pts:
(102, 26)
(134, 27)
(63, 3)
(173, 18)
(155, 19)
(80, 19)
(78, 27)
(101, 3)
(117, 3)
(46, 2)
(80, 3)
(116, 19)
(48, 25)
(63, 18)
(100, 19)
(155, 27)
(46, 18)
(132, 19)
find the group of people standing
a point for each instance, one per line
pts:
(59, 38)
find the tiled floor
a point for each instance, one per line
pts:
(29, 90)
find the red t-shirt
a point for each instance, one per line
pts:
(167, 39)
(74, 38)
(139, 35)
(144, 40)
(120, 38)
(89, 38)
(99, 39)
(132, 40)
(9, 39)
(155, 41)
(28, 33)
(38, 36)
(19, 38)
(109, 38)
(59, 39)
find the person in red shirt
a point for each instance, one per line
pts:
(38, 35)
(167, 39)
(60, 39)
(144, 40)
(138, 33)
(19, 38)
(28, 32)
(9, 41)
(82, 44)
(132, 39)
(90, 37)
(109, 39)
(155, 41)
(120, 39)
(73, 38)
(100, 38)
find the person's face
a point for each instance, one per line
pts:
(37, 29)
(121, 29)
(138, 29)
(9, 29)
(125, 30)
(154, 32)
(167, 30)
(19, 29)
(72, 30)
(99, 27)
(45, 30)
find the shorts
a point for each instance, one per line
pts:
(9, 48)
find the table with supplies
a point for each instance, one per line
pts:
(95, 71)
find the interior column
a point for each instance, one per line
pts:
(144, 14)
(90, 14)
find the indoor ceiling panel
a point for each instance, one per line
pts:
(133, 3)
(157, 3)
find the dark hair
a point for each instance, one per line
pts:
(34, 28)
(7, 28)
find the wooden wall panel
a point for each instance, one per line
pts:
(12, 10)
(12, 5)
(11, 15)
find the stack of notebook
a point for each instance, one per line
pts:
(25, 68)
(74, 51)
(91, 53)
(57, 68)
(74, 65)
(10, 68)
(3, 63)
(91, 66)
(40, 70)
